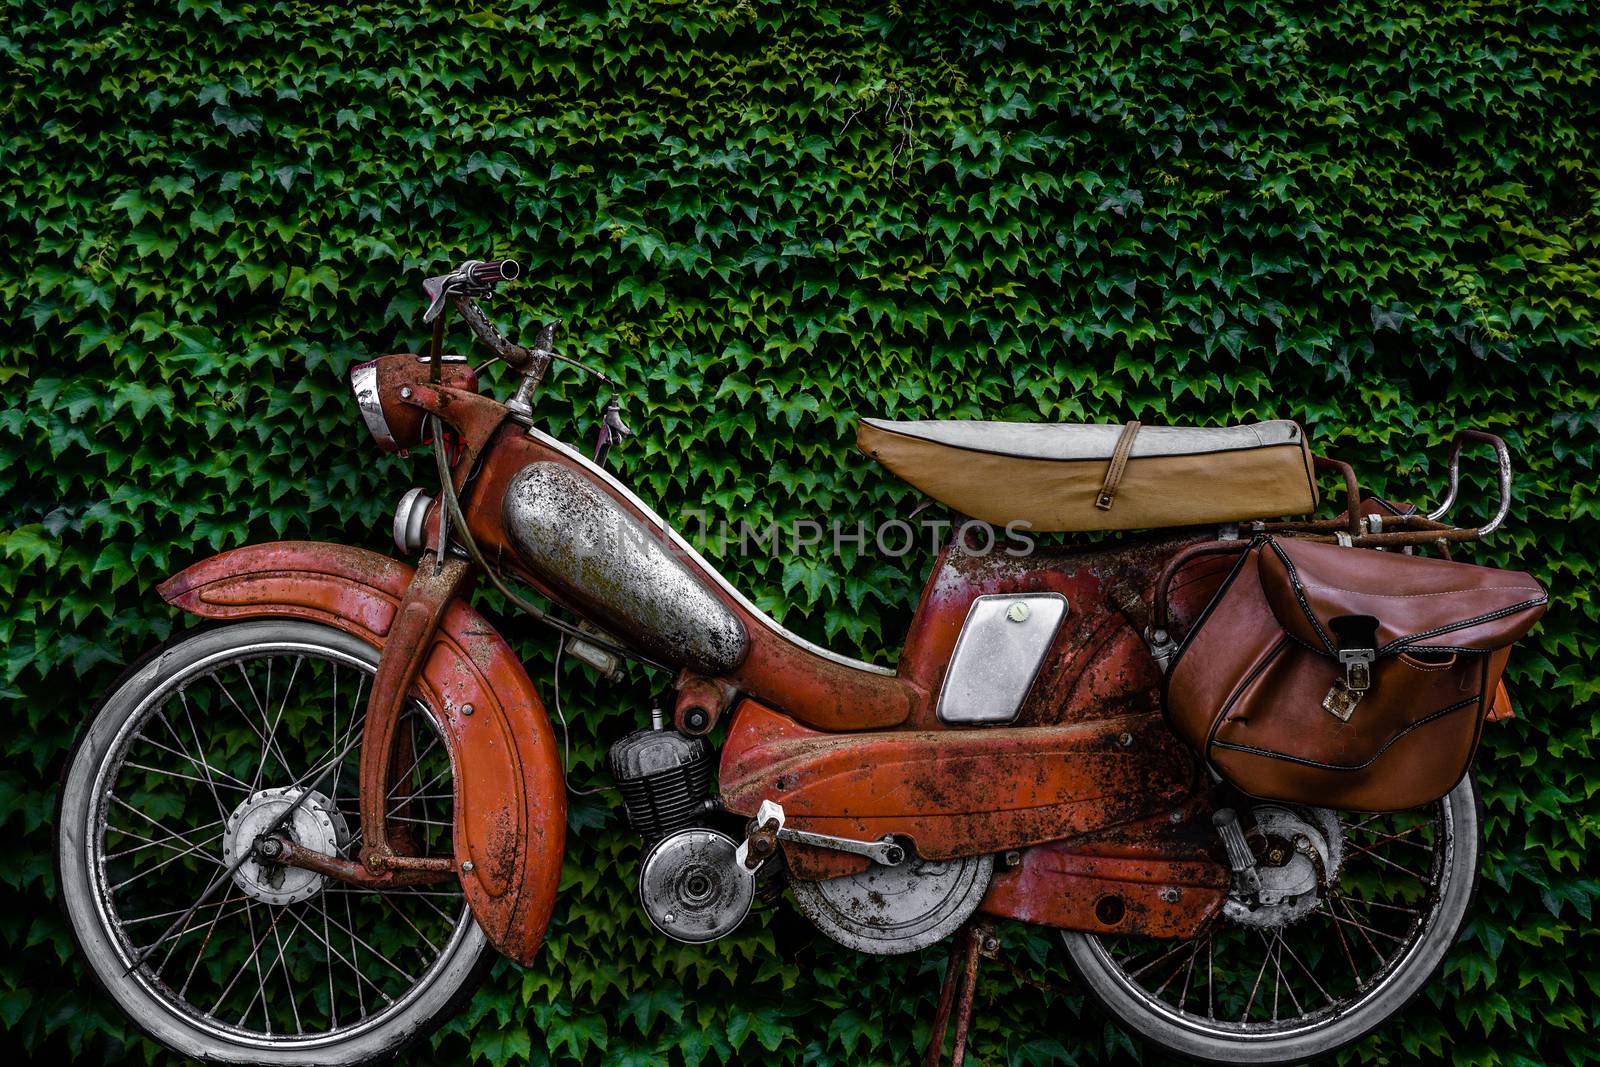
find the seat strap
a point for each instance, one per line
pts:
(1119, 463)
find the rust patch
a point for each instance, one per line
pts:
(952, 793)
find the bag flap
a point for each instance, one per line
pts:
(1418, 602)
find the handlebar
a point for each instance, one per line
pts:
(473, 278)
(1502, 457)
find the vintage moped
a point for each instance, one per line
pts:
(299, 834)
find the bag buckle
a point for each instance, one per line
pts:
(1347, 692)
(1357, 651)
(1358, 668)
(1341, 701)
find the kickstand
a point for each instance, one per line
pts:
(971, 940)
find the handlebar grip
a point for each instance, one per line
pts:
(499, 270)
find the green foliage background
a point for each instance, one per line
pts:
(769, 219)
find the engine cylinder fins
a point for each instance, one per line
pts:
(664, 778)
(893, 910)
(692, 888)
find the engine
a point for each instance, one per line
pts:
(664, 777)
(691, 886)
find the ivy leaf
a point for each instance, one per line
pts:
(501, 1047)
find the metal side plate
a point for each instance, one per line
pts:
(1002, 645)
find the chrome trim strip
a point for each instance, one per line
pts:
(364, 382)
(650, 513)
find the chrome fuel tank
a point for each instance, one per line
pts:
(593, 553)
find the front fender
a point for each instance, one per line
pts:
(510, 800)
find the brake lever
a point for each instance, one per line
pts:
(612, 431)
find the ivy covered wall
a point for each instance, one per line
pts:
(769, 219)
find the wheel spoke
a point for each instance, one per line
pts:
(192, 850)
(327, 943)
(157, 842)
(1256, 987)
(294, 1007)
(1266, 968)
(235, 943)
(211, 782)
(171, 834)
(1363, 926)
(389, 900)
(1387, 862)
(386, 961)
(153, 743)
(255, 947)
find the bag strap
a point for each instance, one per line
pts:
(1119, 463)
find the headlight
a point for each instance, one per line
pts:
(394, 424)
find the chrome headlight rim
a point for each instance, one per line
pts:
(364, 383)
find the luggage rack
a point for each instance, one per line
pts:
(1406, 529)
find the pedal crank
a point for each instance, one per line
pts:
(768, 827)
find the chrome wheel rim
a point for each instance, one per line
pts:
(1246, 984)
(231, 729)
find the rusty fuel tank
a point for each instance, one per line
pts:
(587, 549)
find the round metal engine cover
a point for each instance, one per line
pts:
(691, 887)
(890, 910)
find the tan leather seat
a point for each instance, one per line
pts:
(1054, 477)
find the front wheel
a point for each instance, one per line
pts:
(1340, 952)
(193, 751)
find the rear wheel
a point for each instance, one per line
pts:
(1322, 967)
(190, 756)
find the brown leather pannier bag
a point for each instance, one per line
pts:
(1345, 677)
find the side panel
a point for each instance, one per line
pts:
(510, 802)
(1154, 878)
(952, 792)
(1098, 666)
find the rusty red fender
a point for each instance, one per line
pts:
(510, 800)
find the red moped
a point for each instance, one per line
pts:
(299, 835)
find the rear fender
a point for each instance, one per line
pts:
(510, 800)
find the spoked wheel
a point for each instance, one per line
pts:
(1337, 952)
(188, 760)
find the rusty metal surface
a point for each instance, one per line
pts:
(474, 418)
(409, 640)
(289, 854)
(857, 753)
(1098, 665)
(1156, 877)
(702, 702)
(388, 382)
(955, 995)
(510, 802)
(581, 542)
(953, 793)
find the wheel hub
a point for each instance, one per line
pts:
(316, 825)
(1290, 884)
